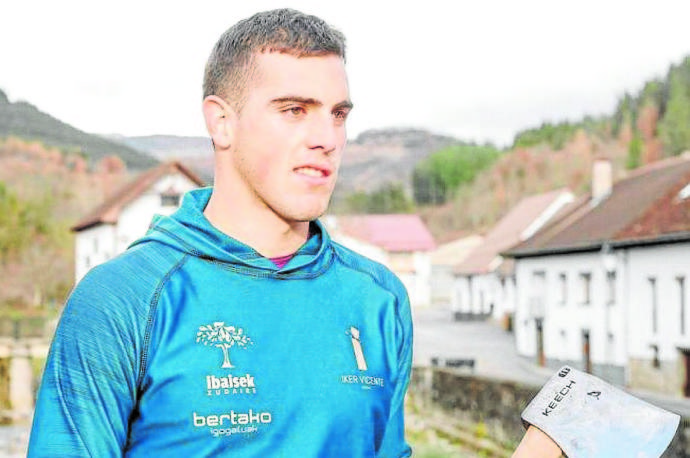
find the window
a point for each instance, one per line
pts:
(538, 280)
(585, 286)
(611, 287)
(680, 281)
(537, 303)
(653, 301)
(562, 288)
(170, 200)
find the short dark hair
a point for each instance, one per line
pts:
(231, 62)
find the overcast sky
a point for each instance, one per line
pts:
(479, 69)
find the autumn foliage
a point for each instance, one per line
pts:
(43, 192)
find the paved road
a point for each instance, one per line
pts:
(438, 335)
(492, 348)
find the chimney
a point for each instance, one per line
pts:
(602, 179)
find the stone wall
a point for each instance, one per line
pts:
(497, 404)
(666, 378)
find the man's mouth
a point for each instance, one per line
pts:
(312, 172)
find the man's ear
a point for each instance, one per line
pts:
(219, 116)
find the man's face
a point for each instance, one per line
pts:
(290, 134)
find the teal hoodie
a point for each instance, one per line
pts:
(192, 344)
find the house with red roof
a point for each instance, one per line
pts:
(125, 216)
(484, 285)
(402, 242)
(604, 287)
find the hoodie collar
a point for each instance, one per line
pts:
(189, 231)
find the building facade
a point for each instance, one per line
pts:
(125, 216)
(484, 283)
(604, 288)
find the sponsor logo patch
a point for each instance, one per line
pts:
(229, 385)
(224, 338)
(231, 423)
(367, 382)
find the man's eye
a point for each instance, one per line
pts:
(295, 111)
(340, 114)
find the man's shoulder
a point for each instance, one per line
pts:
(137, 272)
(381, 274)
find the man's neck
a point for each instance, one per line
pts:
(257, 227)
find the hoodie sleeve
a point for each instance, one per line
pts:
(394, 444)
(89, 386)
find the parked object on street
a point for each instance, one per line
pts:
(453, 363)
(587, 417)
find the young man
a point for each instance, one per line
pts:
(236, 327)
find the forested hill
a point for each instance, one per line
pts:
(653, 123)
(25, 121)
(643, 127)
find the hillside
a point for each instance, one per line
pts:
(43, 192)
(378, 157)
(520, 173)
(195, 152)
(371, 160)
(642, 128)
(25, 121)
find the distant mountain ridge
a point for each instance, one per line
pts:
(374, 158)
(25, 121)
(194, 152)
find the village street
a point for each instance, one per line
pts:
(437, 335)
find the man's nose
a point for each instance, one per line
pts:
(325, 133)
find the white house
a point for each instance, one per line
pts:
(125, 215)
(604, 288)
(444, 260)
(484, 284)
(401, 242)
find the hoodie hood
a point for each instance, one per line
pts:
(188, 231)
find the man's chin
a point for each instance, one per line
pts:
(310, 214)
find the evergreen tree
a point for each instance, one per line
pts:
(626, 113)
(390, 198)
(436, 179)
(675, 125)
(634, 152)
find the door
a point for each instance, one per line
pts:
(686, 364)
(586, 353)
(541, 359)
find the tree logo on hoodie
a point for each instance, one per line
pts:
(224, 337)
